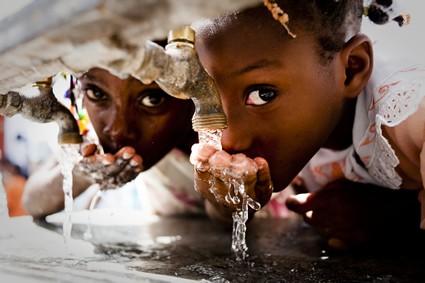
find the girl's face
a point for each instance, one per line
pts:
(129, 113)
(281, 103)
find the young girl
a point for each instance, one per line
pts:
(303, 92)
(139, 127)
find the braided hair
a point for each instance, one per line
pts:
(336, 21)
(332, 22)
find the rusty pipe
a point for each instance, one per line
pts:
(178, 71)
(39, 104)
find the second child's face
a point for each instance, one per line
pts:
(129, 113)
(281, 103)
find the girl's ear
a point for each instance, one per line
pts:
(357, 56)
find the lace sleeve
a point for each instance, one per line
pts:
(395, 98)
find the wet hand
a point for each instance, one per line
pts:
(111, 170)
(217, 174)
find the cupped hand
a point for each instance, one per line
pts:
(352, 215)
(111, 170)
(218, 173)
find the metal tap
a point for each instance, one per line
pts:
(39, 104)
(178, 71)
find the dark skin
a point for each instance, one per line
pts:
(343, 223)
(129, 113)
(136, 124)
(260, 90)
(283, 104)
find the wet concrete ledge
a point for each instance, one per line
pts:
(195, 248)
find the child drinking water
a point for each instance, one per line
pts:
(307, 100)
(139, 127)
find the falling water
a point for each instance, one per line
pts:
(236, 194)
(240, 217)
(70, 156)
(212, 137)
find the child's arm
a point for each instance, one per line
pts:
(351, 215)
(213, 167)
(43, 194)
(407, 139)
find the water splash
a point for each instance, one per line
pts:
(240, 217)
(236, 195)
(70, 157)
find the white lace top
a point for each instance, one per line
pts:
(392, 94)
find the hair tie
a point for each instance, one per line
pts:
(384, 11)
(279, 15)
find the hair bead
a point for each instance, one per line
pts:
(279, 15)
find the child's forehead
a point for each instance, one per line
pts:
(240, 26)
(97, 74)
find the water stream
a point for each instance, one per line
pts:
(70, 156)
(236, 195)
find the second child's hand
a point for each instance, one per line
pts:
(111, 170)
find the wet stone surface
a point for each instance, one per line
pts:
(195, 249)
(279, 251)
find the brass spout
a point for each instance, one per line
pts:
(178, 71)
(39, 104)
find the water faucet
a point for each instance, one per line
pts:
(178, 71)
(39, 104)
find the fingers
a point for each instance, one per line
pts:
(130, 157)
(200, 156)
(298, 203)
(98, 160)
(220, 163)
(127, 163)
(264, 187)
(220, 175)
(136, 162)
(242, 166)
(111, 170)
(127, 152)
(89, 150)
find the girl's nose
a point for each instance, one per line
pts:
(120, 129)
(235, 139)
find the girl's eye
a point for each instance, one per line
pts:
(152, 99)
(260, 96)
(94, 93)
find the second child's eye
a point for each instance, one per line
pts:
(95, 93)
(152, 99)
(260, 96)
